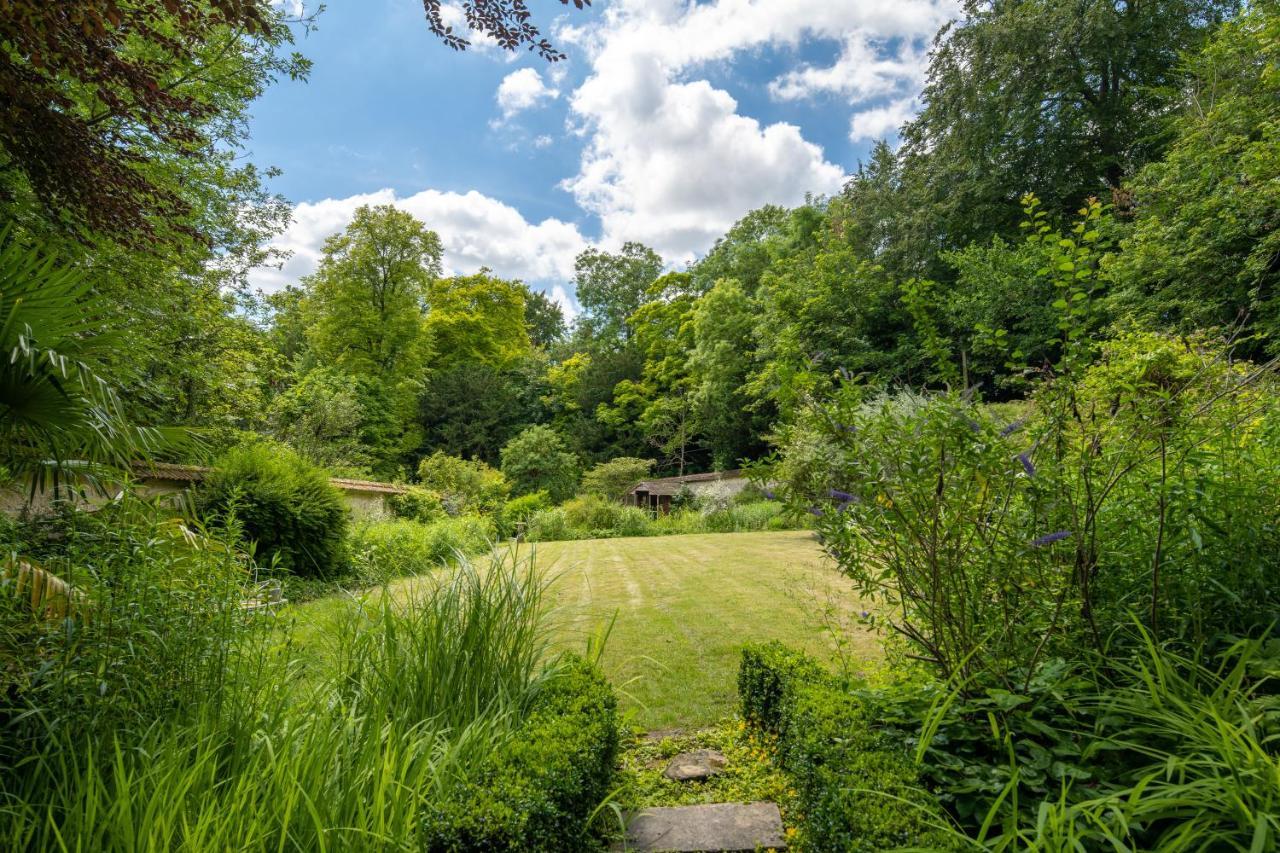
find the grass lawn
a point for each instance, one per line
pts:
(684, 606)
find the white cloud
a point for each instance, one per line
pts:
(668, 158)
(864, 70)
(476, 230)
(879, 122)
(521, 90)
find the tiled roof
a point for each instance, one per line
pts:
(672, 485)
(197, 473)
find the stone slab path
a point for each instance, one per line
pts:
(720, 827)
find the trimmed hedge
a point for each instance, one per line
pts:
(857, 787)
(768, 671)
(539, 792)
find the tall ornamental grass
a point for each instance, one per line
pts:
(351, 754)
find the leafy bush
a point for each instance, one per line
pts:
(612, 480)
(275, 499)
(540, 791)
(416, 503)
(858, 789)
(381, 550)
(537, 460)
(465, 486)
(549, 525)
(440, 722)
(146, 634)
(517, 512)
(1002, 545)
(599, 517)
(767, 674)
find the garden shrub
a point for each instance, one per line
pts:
(858, 790)
(857, 787)
(516, 512)
(416, 503)
(766, 675)
(282, 503)
(465, 485)
(537, 460)
(540, 791)
(549, 525)
(596, 516)
(381, 550)
(614, 479)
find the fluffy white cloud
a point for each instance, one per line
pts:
(521, 90)
(879, 122)
(476, 230)
(668, 158)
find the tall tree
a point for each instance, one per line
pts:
(611, 286)
(367, 299)
(477, 318)
(544, 319)
(1060, 99)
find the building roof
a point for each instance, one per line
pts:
(672, 485)
(197, 473)
(367, 486)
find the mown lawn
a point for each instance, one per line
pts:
(683, 606)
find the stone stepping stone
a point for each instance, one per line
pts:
(696, 766)
(720, 827)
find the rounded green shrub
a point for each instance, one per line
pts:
(382, 550)
(416, 503)
(280, 502)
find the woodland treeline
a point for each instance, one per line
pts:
(1147, 132)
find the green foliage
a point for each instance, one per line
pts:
(340, 421)
(1201, 252)
(477, 319)
(416, 503)
(544, 319)
(466, 486)
(383, 550)
(366, 301)
(612, 480)
(433, 709)
(62, 420)
(517, 512)
(273, 498)
(541, 790)
(536, 460)
(610, 287)
(768, 674)
(857, 788)
(597, 516)
(148, 636)
(471, 410)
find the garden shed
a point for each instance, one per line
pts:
(656, 495)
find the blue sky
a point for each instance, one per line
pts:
(668, 122)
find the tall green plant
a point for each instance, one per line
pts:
(60, 418)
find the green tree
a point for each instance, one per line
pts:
(537, 460)
(477, 319)
(1206, 227)
(544, 319)
(1060, 100)
(366, 301)
(613, 479)
(720, 364)
(339, 421)
(466, 485)
(472, 409)
(611, 286)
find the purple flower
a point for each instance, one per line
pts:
(1025, 459)
(817, 511)
(843, 497)
(1012, 428)
(973, 425)
(1050, 538)
(864, 614)
(769, 495)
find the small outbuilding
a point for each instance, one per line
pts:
(656, 495)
